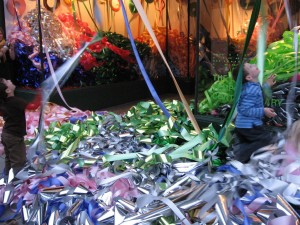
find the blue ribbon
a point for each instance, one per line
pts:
(75, 119)
(2, 210)
(141, 66)
(46, 183)
(34, 190)
(94, 209)
(50, 182)
(229, 168)
(58, 204)
(91, 207)
(240, 206)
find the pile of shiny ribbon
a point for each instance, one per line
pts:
(103, 168)
(144, 168)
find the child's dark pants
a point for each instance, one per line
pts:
(15, 152)
(251, 139)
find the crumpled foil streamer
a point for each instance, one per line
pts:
(35, 151)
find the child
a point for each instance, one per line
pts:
(250, 113)
(12, 109)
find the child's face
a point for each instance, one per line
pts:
(252, 71)
(10, 86)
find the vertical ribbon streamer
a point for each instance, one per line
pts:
(227, 14)
(97, 16)
(79, 11)
(279, 14)
(212, 22)
(238, 86)
(142, 68)
(150, 30)
(37, 148)
(74, 13)
(238, 13)
(261, 43)
(40, 37)
(53, 75)
(291, 95)
(223, 19)
(288, 13)
(90, 15)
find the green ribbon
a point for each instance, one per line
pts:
(150, 124)
(284, 67)
(148, 120)
(221, 92)
(194, 150)
(238, 87)
(65, 156)
(166, 220)
(65, 137)
(132, 7)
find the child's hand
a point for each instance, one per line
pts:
(271, 80)
(269, 112)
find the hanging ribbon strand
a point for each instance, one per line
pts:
(291, 95)
(292, 92)
(150, 30)
(141, 66)
(37, 149)
(238, 87)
